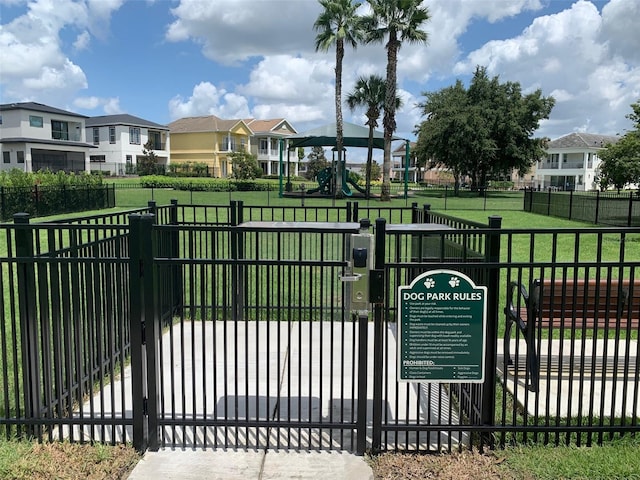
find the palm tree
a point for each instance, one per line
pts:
(337, 24)
(370, 93)
(398, 21)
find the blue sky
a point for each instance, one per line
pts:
(166, 59)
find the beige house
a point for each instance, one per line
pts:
(209, 140)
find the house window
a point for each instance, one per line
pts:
(6, 157)
(156, 140)
(112, 134)
(96, 158)
(565, 157)
(20, 156)
(229, 144)
(134, 135)
(36, 121)
(59, 130)
(129, 159)
(96, 136)
(0, 119)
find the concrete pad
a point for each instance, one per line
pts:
(597, 386)
(315, 465)
(199, 464)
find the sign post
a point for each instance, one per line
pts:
(441, 318)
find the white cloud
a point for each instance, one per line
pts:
(33, 62)
(232, 31)
(82, 41)
(110, 106)
(207, 99)
(568, 56)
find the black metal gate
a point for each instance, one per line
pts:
(260, 352)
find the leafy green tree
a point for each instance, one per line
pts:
(620, 164)
(338, 23)
(316, 162)
(148, 162)
(484, 130)
(376, 171)
(245, 166)
(370, 93)
(397, 21)
(447, 137)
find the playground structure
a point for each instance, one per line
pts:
(326, 183)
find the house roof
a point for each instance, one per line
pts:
(275, 126)
(122, 119)
(354, 136)
(402, 148)
(209, 123)
(582, 140)
(37, 107)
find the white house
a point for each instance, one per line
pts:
(571, 162)
(265, 145)
(34, 136)
(120, 140)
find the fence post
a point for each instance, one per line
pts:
(570, 204)
(378, 336)
(549, 202)
(176, 279)
(355, 212)
(29, 336)
(630, 209)
(138, 370)
(152, 206)
(597, 206)
(414, 212)
(348, 208)
(426, 215)
(2, 209)
(492, 256)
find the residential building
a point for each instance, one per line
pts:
(416, 174)
(120, 141)
(267, 139)
(571, 162)
(209, 140)
(34, 137)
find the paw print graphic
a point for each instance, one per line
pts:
(454, 282)
(429, 283)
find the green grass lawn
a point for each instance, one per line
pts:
(619, 459)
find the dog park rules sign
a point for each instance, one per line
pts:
(441, 322)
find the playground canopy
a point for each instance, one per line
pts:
(325, 136)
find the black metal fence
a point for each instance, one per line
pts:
(605, 208)
(40, 201)
(227, 326)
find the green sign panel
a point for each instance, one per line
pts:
(441, 319)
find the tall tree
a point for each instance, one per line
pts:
(398, 21)
(370, 93)
(621, 161)
(338, 24)
(148, 162)
(485, 130)
(316, 162)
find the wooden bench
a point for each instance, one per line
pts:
(568, 305)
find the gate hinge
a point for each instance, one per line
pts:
(145, 406)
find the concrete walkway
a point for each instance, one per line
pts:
(249, 465)
(205, 377)
(570, 385)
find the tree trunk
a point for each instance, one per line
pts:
(389, 121)
(369, 160)
(338, 193)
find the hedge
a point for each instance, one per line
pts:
(205, 184)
